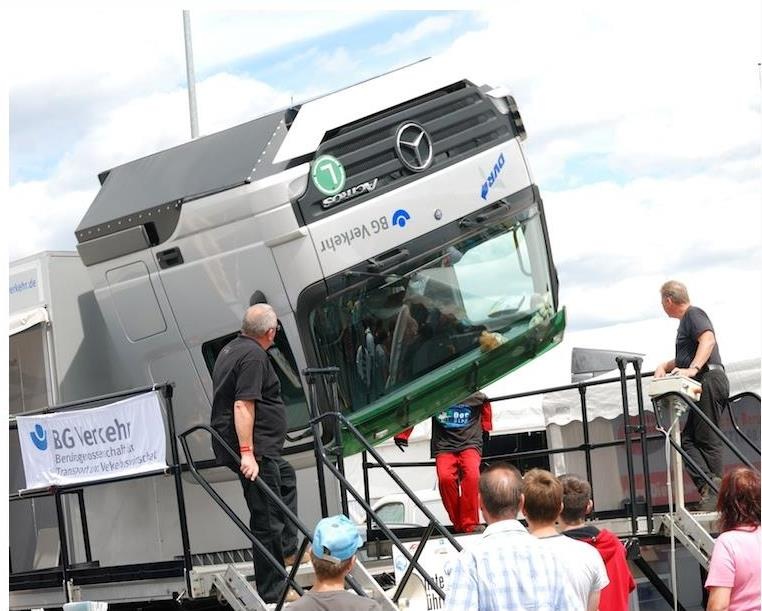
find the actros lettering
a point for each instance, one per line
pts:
(366, 187)
(496, 169)
(359, 232)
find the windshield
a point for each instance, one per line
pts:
(391, 330)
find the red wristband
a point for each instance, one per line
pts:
(243, 449)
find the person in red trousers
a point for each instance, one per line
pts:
(458, 435)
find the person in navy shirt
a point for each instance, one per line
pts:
(458, 434)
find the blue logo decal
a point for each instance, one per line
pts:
(400, 217)
(496, 169)
(456, 417)
(39, 437)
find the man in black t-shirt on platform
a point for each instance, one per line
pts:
(249, 414)
(698, 356)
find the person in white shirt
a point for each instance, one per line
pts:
(585, 571)
(508, 569)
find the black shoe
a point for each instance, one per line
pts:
(708, 496)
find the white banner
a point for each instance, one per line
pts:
(122, 438)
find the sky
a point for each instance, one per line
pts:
(643, 127)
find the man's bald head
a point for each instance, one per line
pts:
(500, 488)
(258, 320)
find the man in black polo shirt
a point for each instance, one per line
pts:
(249, 414)
(697, 356)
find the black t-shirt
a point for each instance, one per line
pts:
(243, 372)
(458, 427)
(693, 323)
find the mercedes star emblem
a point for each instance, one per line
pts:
(413, 146)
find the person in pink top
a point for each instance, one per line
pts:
(734, 568)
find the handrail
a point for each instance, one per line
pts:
(575, 385)
(385, 529)
(367, 508)
(741, 434)
(263, 487)
(323, 460)
(60, 407)
(167, 390)
(714, 428)
(622, 365)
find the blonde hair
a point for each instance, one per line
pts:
(543, 495)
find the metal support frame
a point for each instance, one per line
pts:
(327, 459)
(67, 574)
(737, 428)
(693, 408)
(656, 582)
(586, 438)
(622, 364)
(289, 577)
(636, 363)
(168, 391)
(688, 528)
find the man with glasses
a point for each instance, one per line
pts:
(249, 414)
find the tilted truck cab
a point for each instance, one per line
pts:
(389, 224)
(392, 226)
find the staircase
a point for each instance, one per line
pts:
(234, 583)
(695, 530)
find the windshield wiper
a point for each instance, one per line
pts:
(387, 277)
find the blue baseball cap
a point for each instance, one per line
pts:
(336, 539)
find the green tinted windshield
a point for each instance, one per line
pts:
(390, 331)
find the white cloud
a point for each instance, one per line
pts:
(41, 219)
(643, 131)
(137, 128)
(614, 79)
(337, 61)
(411, 37)
(117, 47)
(72, 65)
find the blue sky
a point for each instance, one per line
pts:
(370, 43)
(643, 122)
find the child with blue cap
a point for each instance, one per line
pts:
(334, 543)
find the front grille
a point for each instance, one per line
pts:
(460, 119)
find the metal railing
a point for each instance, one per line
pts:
(737, 399)
(696, 411)
(289, 577)
(639, 429)
(587, 446)
(57, 492)
(332, 459)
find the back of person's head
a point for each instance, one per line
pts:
(500, 489)
(258, 320)
(334, 543)
(739, 499)
(675, 291)
(543, 495)
(577, 494)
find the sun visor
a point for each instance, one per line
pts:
(323, 114)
